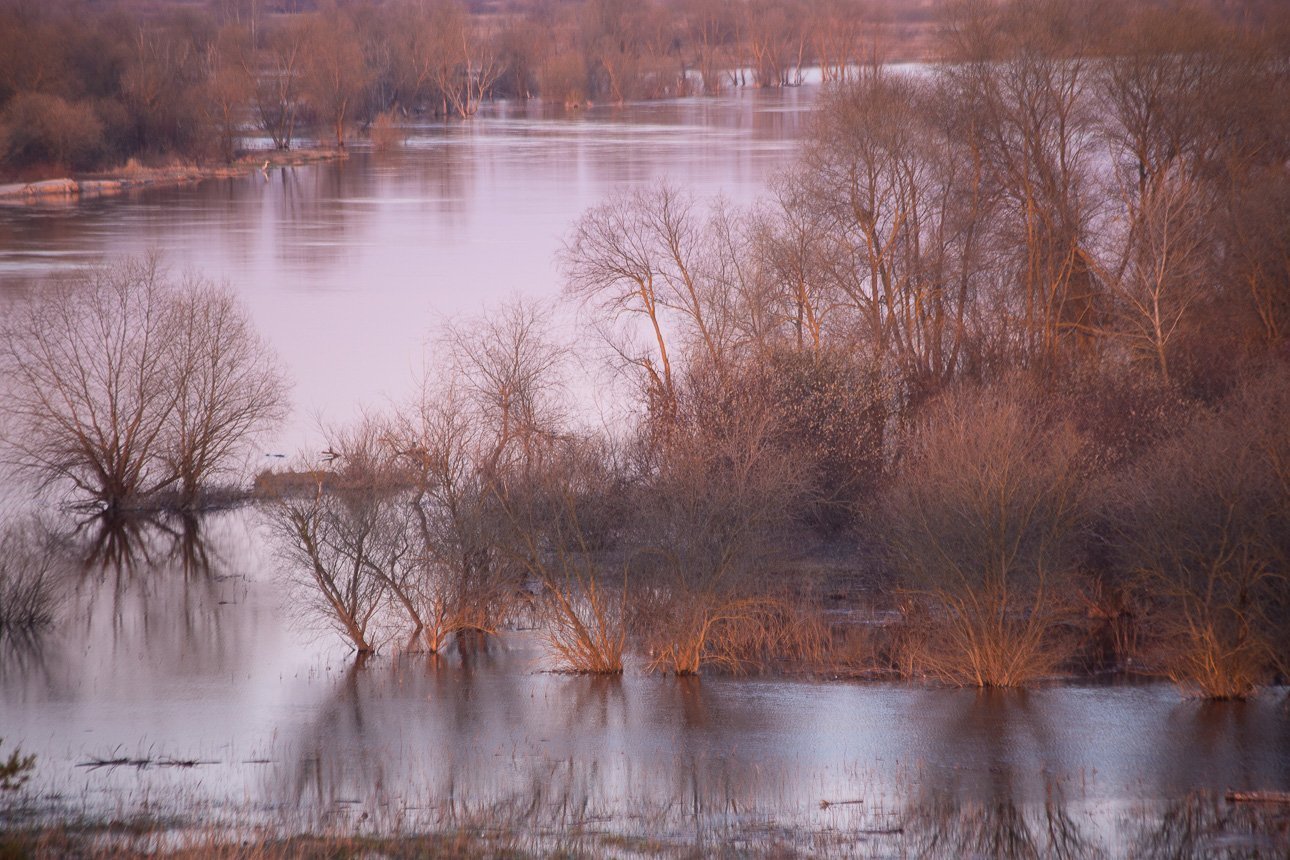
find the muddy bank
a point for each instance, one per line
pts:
(132, 177)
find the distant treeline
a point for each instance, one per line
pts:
(86, 85)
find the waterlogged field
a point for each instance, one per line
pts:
(185, 691)
(183, 699)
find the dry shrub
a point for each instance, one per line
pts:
(982, 524)
(556, 513)
(43, 128)
(386, 133)
(715, 504)
(830, 412)
(584, 623)
(1203, 523)
(686, 632)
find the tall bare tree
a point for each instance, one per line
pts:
(126, 385)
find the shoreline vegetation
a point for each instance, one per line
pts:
(1011, 335)
(133, 177)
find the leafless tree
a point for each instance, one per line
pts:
(711, 506)
(347, 546)
(463, 580)
(461, 61)
(553, 514)
(1161, 270)
(278, 73)
(508, 368)
(1021, 77)
(334, 72)
(127, 385)
(88, 363)
(643, 254)
(227, 384)
(900, 208)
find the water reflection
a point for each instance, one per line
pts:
(945, 825)
(1206, 825)
(176, 639)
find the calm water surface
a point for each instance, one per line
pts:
(182, 647)
(189, 648)
(347, 267)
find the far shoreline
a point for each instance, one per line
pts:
(130, 177)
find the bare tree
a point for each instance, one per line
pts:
(1162, 267)
(227, 383)
(643, 254)
(984, 521)
(127, 385)
(460, 60)
(278, 72)
(335, 74)
(87, 363)
(553, 515)
(896, 201)
(508, 367)
(346, 545)
(229, 88)
(1021, 78)
(463, 580)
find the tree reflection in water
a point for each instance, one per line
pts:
(1207, 825)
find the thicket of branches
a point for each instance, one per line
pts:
(1016, 326)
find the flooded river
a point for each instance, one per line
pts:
(181, 680)
(347, 267)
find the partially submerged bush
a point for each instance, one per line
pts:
(1203, 523)
(556, 517)
(344, 545)
(983, 524)
(385, 132)
(685, 632)
(714, 506)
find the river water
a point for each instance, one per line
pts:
(182, 679)
(348, 267)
